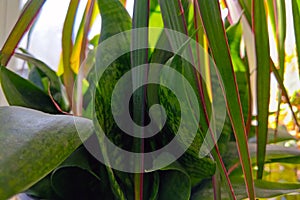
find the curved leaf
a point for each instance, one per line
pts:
(175, 183)
(21, 92)
(23, 131)
(75, 178)
(26, 18)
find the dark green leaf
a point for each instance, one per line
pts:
(21, 92)
(57, 92)
(174, 183)
(74, 178)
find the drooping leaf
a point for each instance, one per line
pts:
(24, 131)
(21, 92)
(29, 13)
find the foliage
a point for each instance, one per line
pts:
(43, 156)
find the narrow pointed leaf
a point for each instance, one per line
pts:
(213, 25)
(67, 47)
(296, 18)
(260, 30)
(25, 20)
(138, 57)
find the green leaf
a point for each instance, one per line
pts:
(263, 189)
(24, 131)
(139, 57)
(67, 47)
(115, 19)
(234, 35)
(56, 87)
(260, 30)
(296, 18)
(21, 92)
(29, 13)
(274, 153)
(74, 178)
(246, 6)
(43, 189)
(281, 135)
(174, 183)
(213, 25)
(281, 33)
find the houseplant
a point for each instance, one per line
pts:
(43, 154)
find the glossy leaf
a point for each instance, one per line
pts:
(21, 92)
(24, 131)
(26, 18)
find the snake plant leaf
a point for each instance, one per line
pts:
(23, 131)
(115, 19)
(21, 92)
